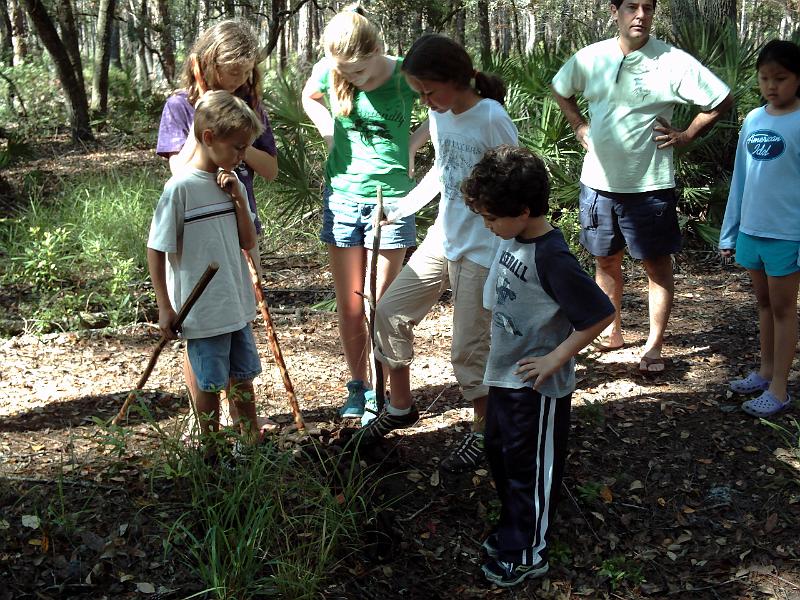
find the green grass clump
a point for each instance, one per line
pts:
(82, 251)
(269, 523)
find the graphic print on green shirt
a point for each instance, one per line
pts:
(370, 146)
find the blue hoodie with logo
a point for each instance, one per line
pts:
(764, 198)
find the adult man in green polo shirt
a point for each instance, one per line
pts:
(632, 83)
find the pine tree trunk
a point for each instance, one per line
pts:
(718, 13)
(517, 32)
(683, 12)
(69, 35)
(6, 43)
(458, 29)
(18, 32)
(73, 87)
(166, 45)
(102, 57)
(116, 46)
(484, 32)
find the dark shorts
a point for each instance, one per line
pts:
(646, 222)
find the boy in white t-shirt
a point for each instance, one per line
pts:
(203, 217)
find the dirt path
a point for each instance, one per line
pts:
(670, 491)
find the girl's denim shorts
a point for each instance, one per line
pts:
(347, 223)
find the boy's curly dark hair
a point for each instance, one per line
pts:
(506, 181)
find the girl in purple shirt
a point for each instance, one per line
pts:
(224, 57)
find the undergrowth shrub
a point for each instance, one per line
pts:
(265, 521)
(81, 252)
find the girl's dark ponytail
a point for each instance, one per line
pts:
(489, 85)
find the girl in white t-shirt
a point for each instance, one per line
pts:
(466, 118)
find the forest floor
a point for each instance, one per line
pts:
(670, 490)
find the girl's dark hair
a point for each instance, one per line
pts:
(438, 58)
(783, 53)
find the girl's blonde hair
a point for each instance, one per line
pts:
(225, 43)
(350, 37)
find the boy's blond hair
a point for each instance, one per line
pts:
(224, 114)
(349, 36)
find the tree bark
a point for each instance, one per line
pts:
(484, 32)
(683, 12)
(18, 32)
(73, 87)
(102, 57)
(69, 35)
(138, 15)
(718, 13)
(166, 43)
(6, 43)
(115, 49)
(460, 23)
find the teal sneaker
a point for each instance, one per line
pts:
(370, 407)
(354, 405)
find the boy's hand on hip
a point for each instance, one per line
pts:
(538, 368)
(166, 319)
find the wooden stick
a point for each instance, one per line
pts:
(380, 392)
(273, 342)
(196, 292)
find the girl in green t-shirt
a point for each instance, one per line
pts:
(366, 126)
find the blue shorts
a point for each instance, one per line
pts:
(348, 223)
(775, 257)
(646, 222)
(216, 360)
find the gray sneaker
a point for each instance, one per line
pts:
(467, 455)
(385, 423)
(508, 574)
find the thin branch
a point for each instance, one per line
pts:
(16, 91)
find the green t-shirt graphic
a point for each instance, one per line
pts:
(370, 145)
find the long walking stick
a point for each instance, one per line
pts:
(198, 289)
(273, 342)
(380, 392)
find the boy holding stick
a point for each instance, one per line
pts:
(203, 216)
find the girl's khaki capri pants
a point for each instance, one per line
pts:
(412, 294)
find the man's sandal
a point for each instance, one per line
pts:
(766, 405)
(749, 385)
(600, 344)
(652, 366)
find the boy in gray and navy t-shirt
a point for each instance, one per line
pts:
(545, 309)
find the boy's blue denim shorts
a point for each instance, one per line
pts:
(347, 223)
(215, 360)
(647, 222)
(775, 257)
